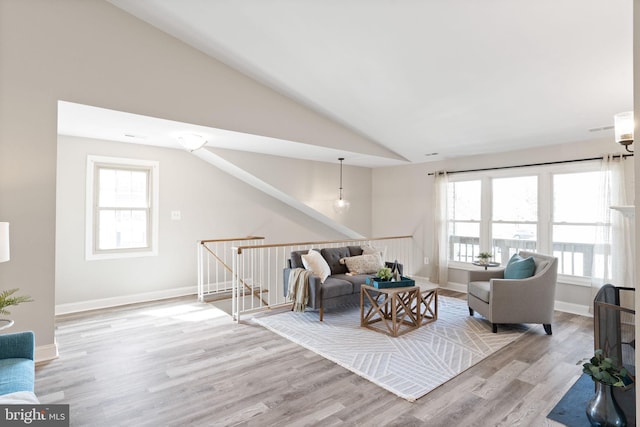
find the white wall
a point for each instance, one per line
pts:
(212, 203)
(91, 52)
(409, 190)
(316, 184)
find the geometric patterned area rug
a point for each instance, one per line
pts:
(410, 365)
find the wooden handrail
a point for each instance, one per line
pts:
(239, 249)
(233, 239)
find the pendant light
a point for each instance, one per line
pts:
(341, 205)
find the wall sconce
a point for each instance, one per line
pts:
(623, 123)
(4, 242)
(192, 141)
(341, 205)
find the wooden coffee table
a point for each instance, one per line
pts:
(428, 307)
(396, 311)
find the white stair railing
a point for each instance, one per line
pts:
(215, 259)
(258, 280)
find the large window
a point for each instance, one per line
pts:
(122, 207)
(542, 209)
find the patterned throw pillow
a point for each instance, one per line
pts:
(368, 249)
(364, 264)
(313, 261)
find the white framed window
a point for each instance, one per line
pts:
(464, 204)
(514, 225)
(538, 209)
(575, 222)
(122, 207)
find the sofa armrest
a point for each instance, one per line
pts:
(485, 275)
(285, 280)
(20, 345)
(315, 293)
(530, 298)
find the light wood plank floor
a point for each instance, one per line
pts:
(181, 363)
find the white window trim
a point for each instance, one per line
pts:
(90, 228)
(545, 208)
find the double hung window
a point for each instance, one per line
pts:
(121, 207)
(464, 219)
(514, 216)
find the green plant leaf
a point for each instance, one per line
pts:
(7, 300)
(606, 370)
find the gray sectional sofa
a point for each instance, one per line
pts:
(339, 287)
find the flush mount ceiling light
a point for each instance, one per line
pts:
(623, 123)
(341, 205)
(192, 141)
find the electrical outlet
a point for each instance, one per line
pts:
(426, 260)
(176, 215)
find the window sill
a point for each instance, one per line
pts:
(562, 278)
(575, 281)
(467, 266)
(120, 255)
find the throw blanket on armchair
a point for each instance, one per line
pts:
(298, 291)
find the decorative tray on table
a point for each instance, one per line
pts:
(404, 282)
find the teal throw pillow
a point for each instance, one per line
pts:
(519, 268)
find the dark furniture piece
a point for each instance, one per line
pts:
(340, 287)
(614, 333)
(614, 324)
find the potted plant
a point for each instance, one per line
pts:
(603, 410)
(384, 273)
(7, 300)
(484, 257)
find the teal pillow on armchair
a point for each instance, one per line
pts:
(519, 268)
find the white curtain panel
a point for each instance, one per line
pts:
(613, 250)
(441, 232)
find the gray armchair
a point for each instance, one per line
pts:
(504, 301)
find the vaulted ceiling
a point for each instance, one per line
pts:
(454, 77)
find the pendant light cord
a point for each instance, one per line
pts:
(341, 160)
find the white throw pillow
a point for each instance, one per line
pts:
(364, 264)
(313, 261)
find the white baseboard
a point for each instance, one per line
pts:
(45, 353)
(568, 307)
(95, 304)
(452, 286)
(421, 279)
(458, 287)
